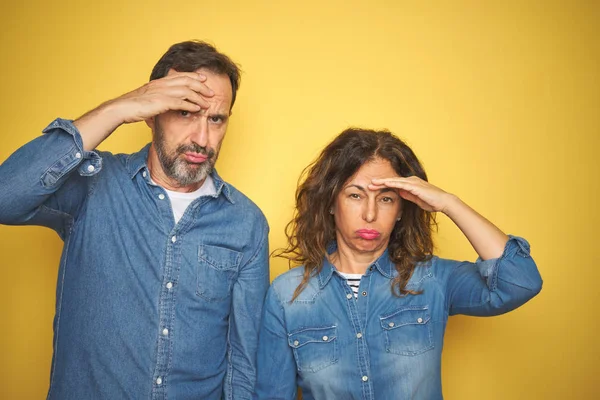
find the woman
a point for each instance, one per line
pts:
(364, 317)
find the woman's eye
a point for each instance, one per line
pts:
(184, 113)
(354, 196)
(387, 199)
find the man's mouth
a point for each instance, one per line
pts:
(195, 158)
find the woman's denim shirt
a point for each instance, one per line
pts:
(380, 346)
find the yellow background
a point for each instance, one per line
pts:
(501, 101)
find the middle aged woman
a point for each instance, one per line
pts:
(364, 317)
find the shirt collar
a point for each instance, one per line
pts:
(138, 161)
(383, 264)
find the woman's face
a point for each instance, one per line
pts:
(365, 218)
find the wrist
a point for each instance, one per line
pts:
(112, 113)
(452, 205)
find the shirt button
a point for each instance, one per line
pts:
(77, 155)
(169, 285)
(364, 293)
(161, 196)
(365, 378)
(359, 335)
(159, 381)
(325, 338)
(296, 343)
(173, 239)
(348, 296)
(90, 168)
(420, 320)
(391, 324)
(165, 332)
(144, 174)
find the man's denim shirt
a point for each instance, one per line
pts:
(379, 346)
(145, 308)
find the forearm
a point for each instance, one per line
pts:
(98, 124)
(486, 238)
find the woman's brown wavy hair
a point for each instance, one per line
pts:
(313, 228)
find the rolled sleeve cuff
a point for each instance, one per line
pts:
(515, 247)
(88, 163)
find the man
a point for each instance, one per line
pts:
(165, 266)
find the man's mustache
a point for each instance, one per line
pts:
(195, 148)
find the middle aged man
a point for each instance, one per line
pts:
(165, 266)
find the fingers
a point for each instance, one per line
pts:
(193, 80)
(397, 181)
(174, 74)
(407, 184)
(183, 105)
(185, 93)
(414, 189)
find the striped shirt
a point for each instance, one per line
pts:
(353, 281)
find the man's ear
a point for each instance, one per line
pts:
(150, 122)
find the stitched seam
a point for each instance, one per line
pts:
(265, 234)
(59, 307)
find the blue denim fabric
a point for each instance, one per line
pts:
(379, 346)
(145, 308)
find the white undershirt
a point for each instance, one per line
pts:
(180, 200)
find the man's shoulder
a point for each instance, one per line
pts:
(131, 162)
(243, 204)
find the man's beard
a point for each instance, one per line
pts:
(179, 169)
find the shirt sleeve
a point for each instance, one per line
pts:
(495, 286)
(46, 180)
(276, 378)
(244, 322)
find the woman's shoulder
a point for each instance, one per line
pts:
(293, 275)
(285, 284)
(432, 269)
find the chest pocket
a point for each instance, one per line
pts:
(217, 270)
(408, 331)
(314, 348)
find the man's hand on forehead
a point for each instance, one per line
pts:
(180, 91)
(184, 91)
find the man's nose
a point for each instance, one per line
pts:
(199, 134)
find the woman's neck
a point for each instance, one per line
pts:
(352, 262)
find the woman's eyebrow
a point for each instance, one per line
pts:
(362, 189)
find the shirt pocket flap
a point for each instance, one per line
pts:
(219, 258)
(414, 315)
(312, 335)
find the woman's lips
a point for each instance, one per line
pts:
(195, 158)
(368, 234)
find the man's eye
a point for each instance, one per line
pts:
(216, 120)
(184, 113)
